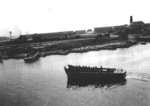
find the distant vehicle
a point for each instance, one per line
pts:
(99, 36)
(32, 58)
(94, 73)
(106, 35)
(103, 35)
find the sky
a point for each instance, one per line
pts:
(43, 16)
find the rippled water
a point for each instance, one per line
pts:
(45, 83)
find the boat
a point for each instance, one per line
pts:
(1, 61)
(79, 73)
(32, 58)
(143, 43)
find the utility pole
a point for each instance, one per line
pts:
(10, 35)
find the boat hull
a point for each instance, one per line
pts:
(94, 82)
(32, 58)
(95, 76)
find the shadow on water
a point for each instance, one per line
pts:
(71, 83)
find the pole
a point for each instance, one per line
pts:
(10, 35)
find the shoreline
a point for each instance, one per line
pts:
(65, 48)
(87, 49)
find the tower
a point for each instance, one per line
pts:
(131, 19)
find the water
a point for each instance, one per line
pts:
(44, 82)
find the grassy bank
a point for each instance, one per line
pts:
(62, 47)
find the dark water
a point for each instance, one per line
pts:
(44, 82)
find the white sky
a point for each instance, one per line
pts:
(39, 16)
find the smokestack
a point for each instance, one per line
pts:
(131, 19)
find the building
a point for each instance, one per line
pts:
(137, 24)
(45, 36)
(147, 26)
(133, 37)
(54, 35)
(3, 38)
(140, 25)
(110, 29)
(103, 29)
(131, 20)
(119, 28)
(25, 38)
(80, 31)
(134, 27)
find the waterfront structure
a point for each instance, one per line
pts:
(134, 27)
(140, 27)
(103, 29)
(137, 24)
(45, 36)
(133, 37)
(80, 31)
(119, 28)
(110, 29)
(3, 38)
(24, 38)
(147, 27)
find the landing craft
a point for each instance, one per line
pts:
(94, 73)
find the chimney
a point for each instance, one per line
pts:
(131, 19)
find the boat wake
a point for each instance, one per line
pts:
(139, 76)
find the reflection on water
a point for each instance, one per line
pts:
(97, 84)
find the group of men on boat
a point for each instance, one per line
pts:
(85, 68)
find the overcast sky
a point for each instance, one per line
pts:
(41, 16)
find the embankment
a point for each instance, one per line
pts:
(63, 47)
